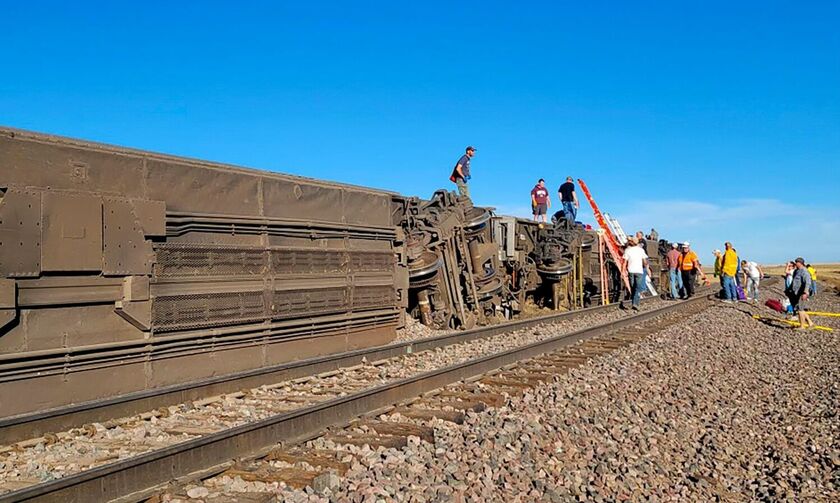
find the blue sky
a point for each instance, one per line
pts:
(710, 122)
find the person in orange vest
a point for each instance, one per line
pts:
(689, 265)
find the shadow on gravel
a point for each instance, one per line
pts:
(774, 322)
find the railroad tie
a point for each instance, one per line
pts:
(325, 460)
(509, 383)
(374, 441)
(452, 416)
(461, 405)
(490, 399)
(294, 477)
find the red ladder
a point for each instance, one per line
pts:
(610, 240)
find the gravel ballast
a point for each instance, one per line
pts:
(721, 407)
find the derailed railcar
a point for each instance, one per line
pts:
(556, 264)
(123, 270)
(453, 266)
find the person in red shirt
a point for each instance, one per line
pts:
(674, 274)
(540, 202)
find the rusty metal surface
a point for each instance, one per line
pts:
(20, 233)
(140, 473)
(72, 232)
(120, 253)
(124, 247)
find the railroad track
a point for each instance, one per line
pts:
(321, 463)
(213, 448)
(32, 426)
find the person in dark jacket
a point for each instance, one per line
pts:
(797, 292)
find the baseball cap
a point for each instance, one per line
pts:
(470, 147)
(717, 251)
(686, 244)
(800, 260)
(674, 245)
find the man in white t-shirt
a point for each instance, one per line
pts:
(636, 261)
(752, 277)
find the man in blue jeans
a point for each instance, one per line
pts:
(568, 199)
(674, 275)
(729, 267)
(636, 261)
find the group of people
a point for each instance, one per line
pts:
(737, 275)
(683, 269)
(541, 201)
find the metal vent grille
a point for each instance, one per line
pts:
(295, 303)
(191, 260)
(373, 296)
(371, 261)
(203, 310)
(307, 261)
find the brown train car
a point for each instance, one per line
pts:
(123, 270)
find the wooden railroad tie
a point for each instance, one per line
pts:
(293, 477)
(313, 459)
(452, 416)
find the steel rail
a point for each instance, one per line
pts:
(34, 424)
(136, 477)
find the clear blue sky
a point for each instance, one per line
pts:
(710, 121)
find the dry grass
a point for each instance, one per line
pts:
(827, 274)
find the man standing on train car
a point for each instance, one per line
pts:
(540, 201)
(568, 199)
(461, 173)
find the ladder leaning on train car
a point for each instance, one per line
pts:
(609, 237)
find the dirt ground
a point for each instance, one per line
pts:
(828, 275)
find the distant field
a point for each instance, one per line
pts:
(827, 274)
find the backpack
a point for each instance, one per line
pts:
(775, 305)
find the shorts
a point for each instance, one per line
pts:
(797, 303)
(540, 209)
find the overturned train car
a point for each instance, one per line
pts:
(123, 270)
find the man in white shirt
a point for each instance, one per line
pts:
(752, 277)
(636, 261)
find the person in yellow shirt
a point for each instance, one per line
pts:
(813, 273)
(729, 268)
(718, 271)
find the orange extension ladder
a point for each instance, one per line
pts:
(609, 237)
